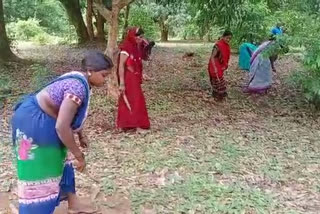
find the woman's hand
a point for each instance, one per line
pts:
(122, 88)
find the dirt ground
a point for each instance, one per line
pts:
(248, 154)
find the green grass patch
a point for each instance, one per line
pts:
(202, 194)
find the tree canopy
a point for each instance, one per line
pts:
(62, 21)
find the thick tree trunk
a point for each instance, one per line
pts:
(5, 51)
(75, 17)
(126, 21)
(89, 15)
(100, 27)
(164, 31)
(112, 50)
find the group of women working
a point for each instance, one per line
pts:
(256, 60)
(44, 123)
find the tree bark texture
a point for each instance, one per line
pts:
(75, 17)
(89, 15)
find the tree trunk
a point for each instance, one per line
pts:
(100, 27)
(112, 50)
(164, 31)
(75, 17)
(113, 30)
(126, 23)
(5, 51)
(208, 37)
(89, 19)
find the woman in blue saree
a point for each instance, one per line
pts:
(246, 50)
(43, 127)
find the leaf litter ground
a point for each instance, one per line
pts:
(249, 154)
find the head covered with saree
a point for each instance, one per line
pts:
(135, 44)
(130, 43)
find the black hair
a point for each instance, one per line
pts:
(96, 61)
(227, 33)
(140, 32)
(152, 43)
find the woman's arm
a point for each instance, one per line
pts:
(123, 59)
(68, 110)
(214, 54)
(272, 60)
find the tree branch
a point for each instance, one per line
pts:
(123, 3)
(102, 10)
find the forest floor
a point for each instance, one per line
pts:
(248, 154)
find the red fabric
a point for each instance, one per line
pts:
(221, 63)
(138, 117)
(130, 45)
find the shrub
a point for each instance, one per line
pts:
(307, 36)
(25, 30)
(30, 30)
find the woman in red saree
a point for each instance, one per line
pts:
(132, 110)
(218, 63)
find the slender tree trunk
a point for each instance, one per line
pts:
(111, 16)
(201, 34)
(112, 50)
(100, 27)
(89, 15)
(75, 17)
(209, 37)
(126, 21)
(5, 51)
(164, 31)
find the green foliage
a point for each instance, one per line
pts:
(25, 30)
(178, 18)
(29, 30)
(170, 16)
(53, 18)
(15, 9)
(218, 12)
(307, 36)
(309, 78)
(278, 47)
(142, 17)
(252, 24)
(43, 16)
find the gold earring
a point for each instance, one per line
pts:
(89, 74)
